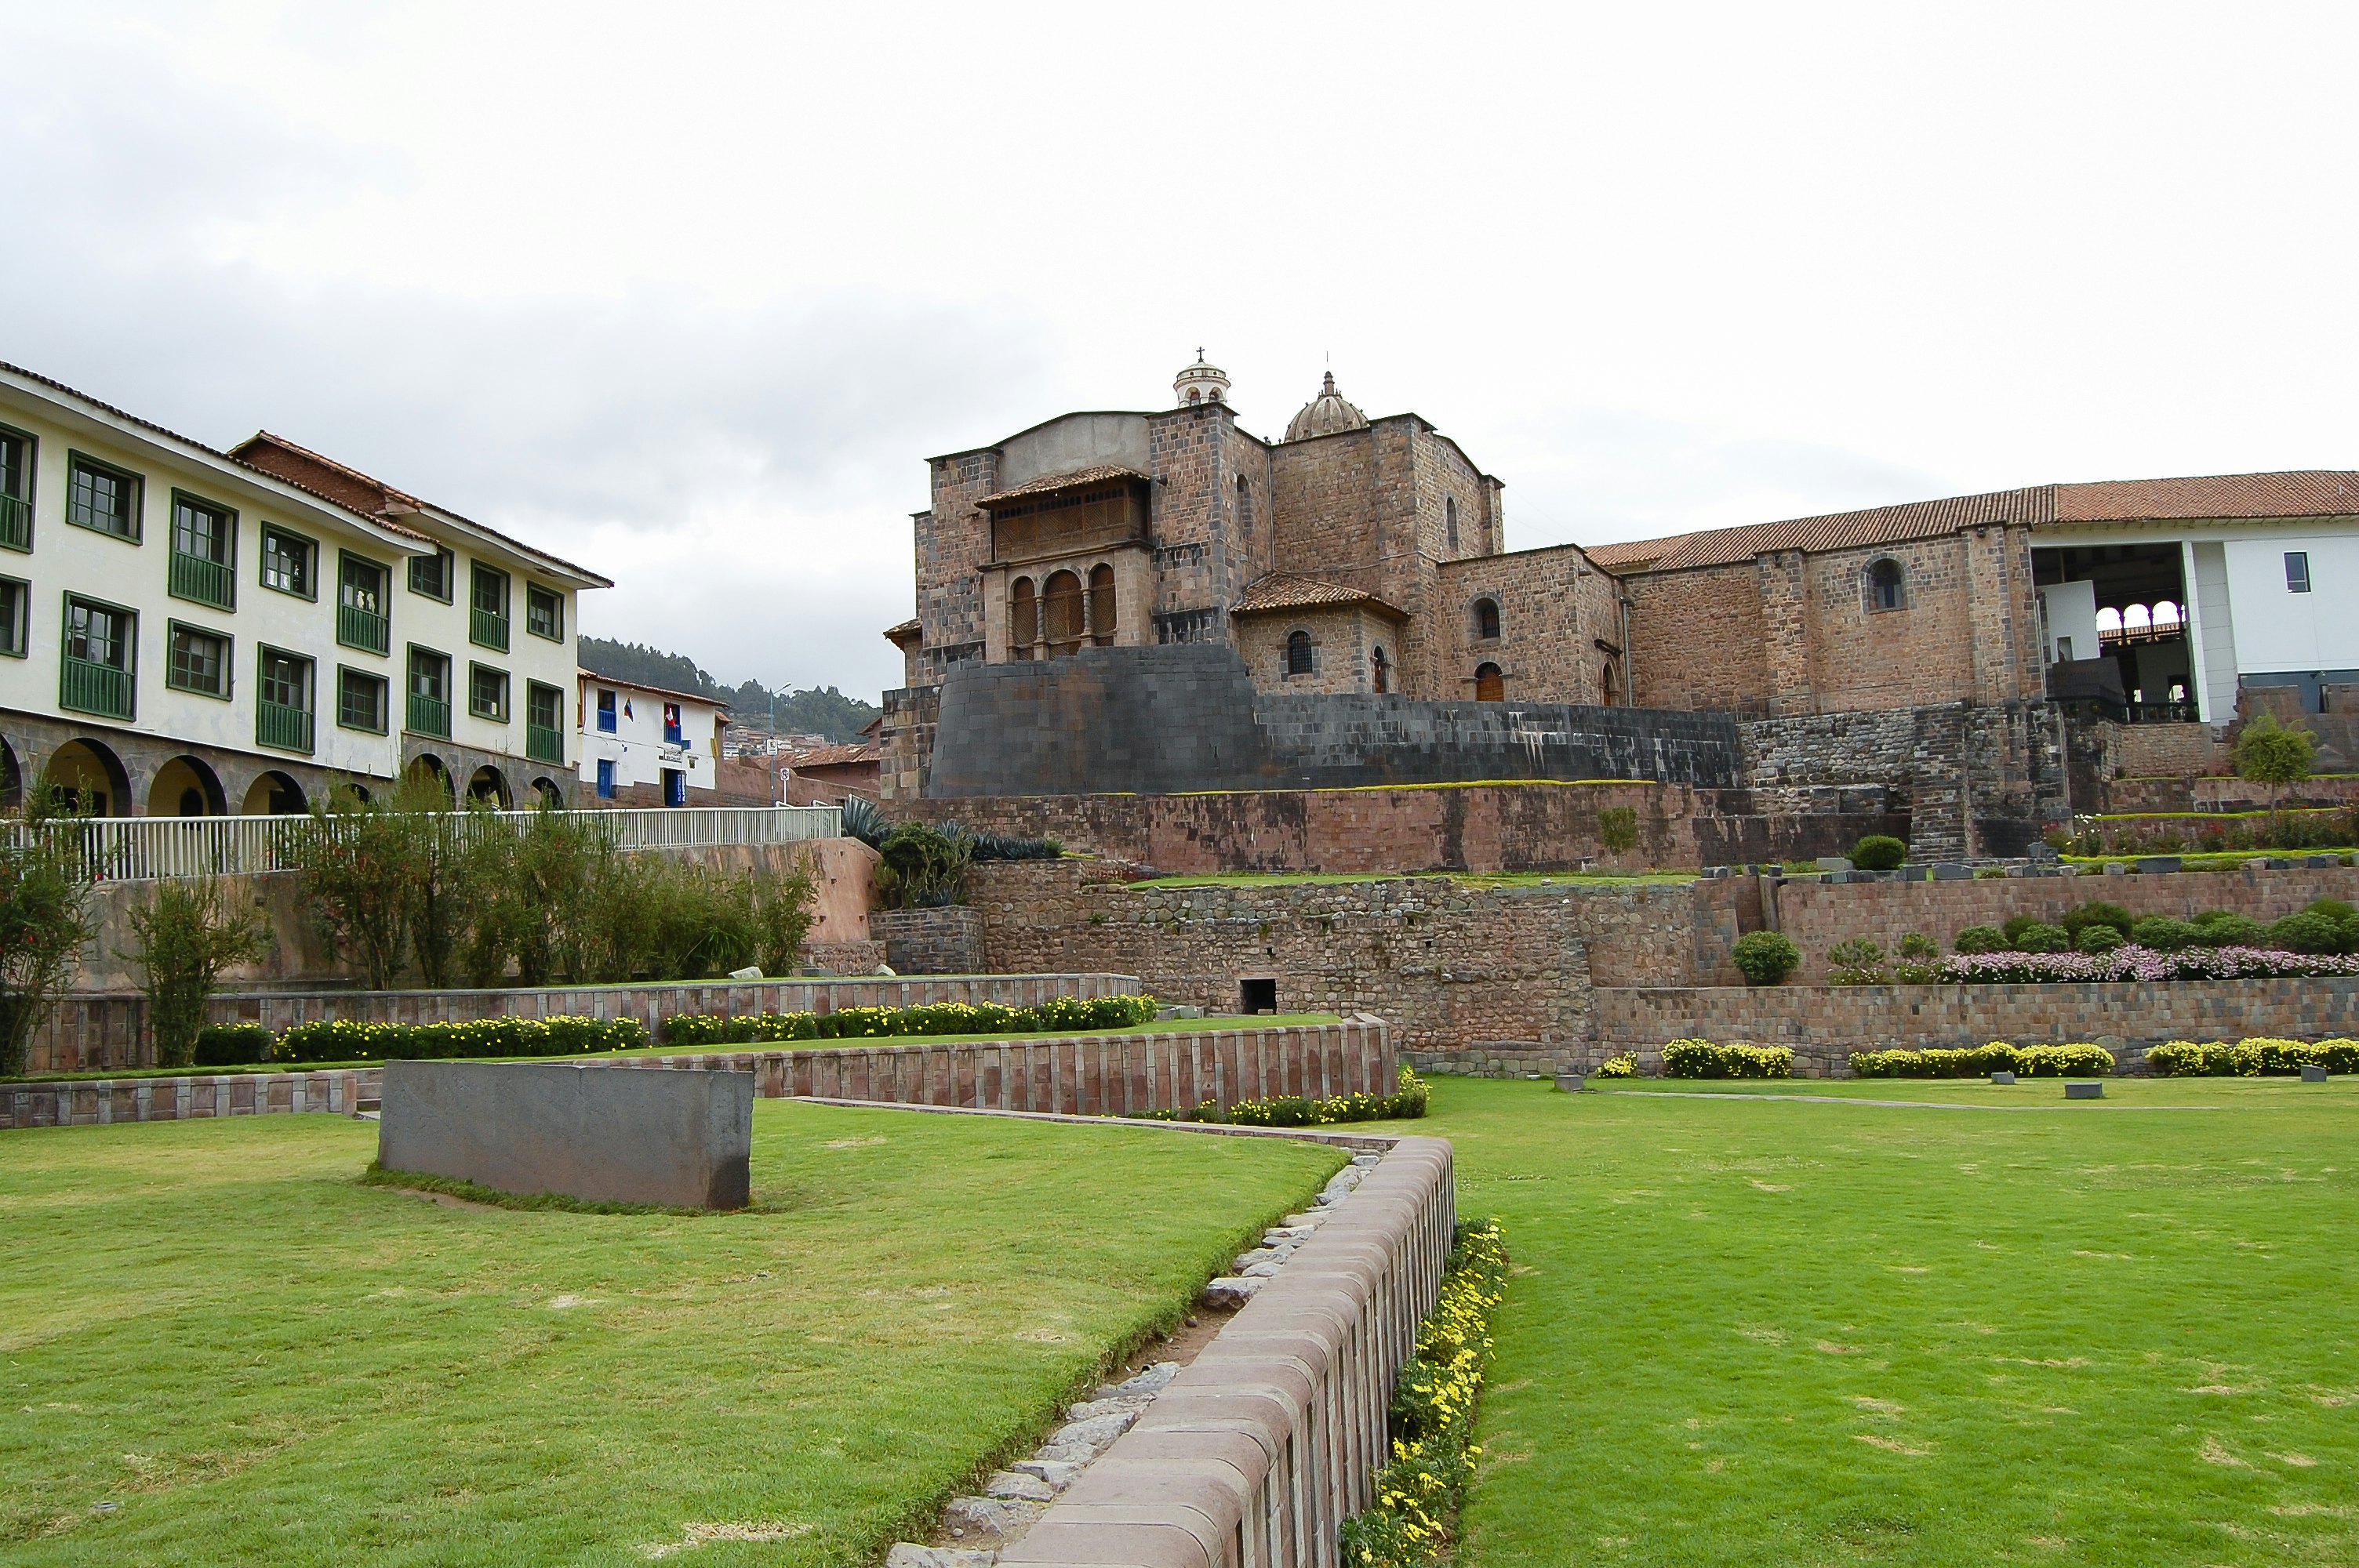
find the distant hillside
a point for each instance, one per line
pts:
(822, 710)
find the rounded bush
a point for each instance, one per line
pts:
(2097, 939)
(2039, 937)
(2096, 912)
(2306, 933)
(2015, 928)
(2333, 908)
(2219, 928)
(2164, 933)
(231, 1044)
(1766, 957)
(1879, 852)
(1981, 939)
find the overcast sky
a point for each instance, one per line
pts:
(687, 293)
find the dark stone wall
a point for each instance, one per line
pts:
(1170, 719)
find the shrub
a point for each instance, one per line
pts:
(922, 868)
(2096, 912)
(1702, 1059)
(1879, 852)
(1856, 962)
(1979, 1061)
(1981, 939)
(2268, 753)
(2039, 938)
(183, 936)
(863, 821)
(1406, 1103)
(2135, 963)
(1432, 1416)
(2306, 933)
(2076, 1060)
(2164, 933)
(1059, 1014)
(2186, 1059)
(1618, 831)
(1920, 960)
(2254, 1058)
(1766, 957)
(2015, 928)
(231, 1044)
(1990, 874)
(2222, 928)
(2097, 939)
(2333, 909)
(1623, 1066)
(45, 920)
(349, 1040)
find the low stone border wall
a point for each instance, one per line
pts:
(90, 1101)
(112, 1031)
(1087, 1074)
(1825, 1024)
(1259, 1451)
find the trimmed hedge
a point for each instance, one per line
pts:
(2257, 1057)
(233, 1044)
(349, 1040)
(2075, 1061)
(1702, 1059)
(1406, 1103)
(1766, 957)
(1059, 1015)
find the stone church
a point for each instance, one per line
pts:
(1162, 601)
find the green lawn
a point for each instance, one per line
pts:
(1828, 1333)
(213, 1327)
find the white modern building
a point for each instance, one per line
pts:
(644, 745)
(2198, 587)
(189, 632)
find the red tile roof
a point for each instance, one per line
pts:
(1050, 482)
(1284, 590)
(904, 631)
(2301, 492)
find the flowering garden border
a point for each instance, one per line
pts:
(1433, 1426)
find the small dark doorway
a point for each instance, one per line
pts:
(1257, 996)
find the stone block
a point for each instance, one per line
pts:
(1571, 1083)
(2084, 1091)
(2160, 865)
(1953, 872)
(2002, 1076)
(681, 1138)
(1834, 863)
(2311, 1073)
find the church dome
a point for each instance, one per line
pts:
(1325, 414)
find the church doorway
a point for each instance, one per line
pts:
(1489, 686)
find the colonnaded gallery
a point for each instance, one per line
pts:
(1160, 601)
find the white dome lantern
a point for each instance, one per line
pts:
(1201, 383)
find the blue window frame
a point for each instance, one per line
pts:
(605, 712)
(605, 778)
(675, 787)
(671, 722)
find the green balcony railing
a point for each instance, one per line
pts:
(430, 716)
(89, 686)
(15, 523)
(362, 629)
(488, 629)
(207, 582)
(277, 725)
(544, 744)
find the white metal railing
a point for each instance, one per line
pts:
(139, 849)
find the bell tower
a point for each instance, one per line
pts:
(1201, 383)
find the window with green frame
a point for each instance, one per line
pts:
(487, 599)
(16, 610)
(361, 593)
(544, 723)
(429, 692)
(204, 552)
(487, 693)
(544, 612)
(102, 497)
(287, 559)
(282, 706)
(360, 700)
(100, 658)
(198, 661)
(431, 574)
(16, 450)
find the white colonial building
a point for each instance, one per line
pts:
(644, 745)
(188, 632)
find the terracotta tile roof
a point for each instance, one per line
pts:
(1050, 482)
(348, 486)
(1284, 590)
(2301, 492)
(834, 756)
(1834, 531)
(722, 703)
(904, 631)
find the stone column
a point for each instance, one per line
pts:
(1785, 632)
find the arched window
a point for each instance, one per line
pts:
(1885, 590)
(1194, 396)
(1486, 618)
(1382, 671)
(2136, 619)
(1298, 652)
(1101, 605)
(1609, 685)
(1489, 686)
(1450, 521)
(1060, 608)
(1023, 619)
(2165, 616)
(1244, 510)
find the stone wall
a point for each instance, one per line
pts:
(93, 1033)
(1555, 609)
(1824, 1024)
(89, 1102)
(1817, 914)
(1696, 639)
(930, 941)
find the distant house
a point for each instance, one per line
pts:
(825, 775)
(644, 745)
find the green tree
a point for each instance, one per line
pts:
(45, 923)
(2274, 754)
(183, 936)
(352, 861)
